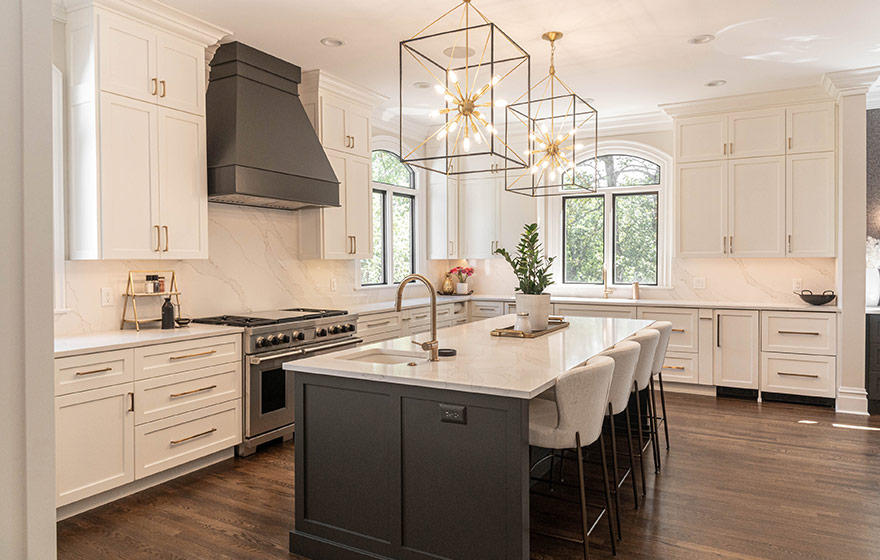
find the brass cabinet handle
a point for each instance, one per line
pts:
(352, 142)
(162, 82)
(155, 86)
(450, 247)
(355, 244)
(102, 370)
(193, 392)
(379, 324)
(731, 244)
(731, 148)
(421, 316)
(487, 309)
(724, 244)
(206, 353)
(789, 142)
(792, 374)
(789, 243)
(806, 333)
(677, 330)
(674, 367)
(158, 239)
(166, 239)
(131, 406)
(206, 432)
(725, 148)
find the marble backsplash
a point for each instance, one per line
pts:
(254, 265)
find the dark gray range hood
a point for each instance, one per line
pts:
(262, 149)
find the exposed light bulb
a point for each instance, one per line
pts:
(501, 103)
(541, 144)
(545, 164)
(478, 139)
(495, 79)
(532, 137)
(553, 175)
(466, 144)
(544, 128)
(534, 169)
(434, 114)
(559, 138)
(439, 89)
(448, 98)
(527, 152)
(442, 134)
(452, 126)
(452, 77)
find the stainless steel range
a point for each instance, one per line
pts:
(270, 339)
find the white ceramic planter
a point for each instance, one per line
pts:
(461, 288)
(538, 308)
(872, 286)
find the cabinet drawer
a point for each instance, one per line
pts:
(174, 441)
(509, 308)
(161, 397)
(460, 321)
(372, 325)
(444, 312)
(444, 324)
(175, 357)
(799, 332)
(459, 309)
(683, 368)
(93, 371)
(487, 308)
(684, 336)
(578, 310)
(418, 317)
(794, 374)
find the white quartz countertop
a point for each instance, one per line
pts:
(510, 367)
(115, 340)
(409, 303)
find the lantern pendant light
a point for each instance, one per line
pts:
(562, 131)
(459, 71)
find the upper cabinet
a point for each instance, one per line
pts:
(341, 115)
(490, 216)
(136, 148)
(757, 183)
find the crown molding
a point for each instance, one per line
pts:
(793, 96)
(59, 13)
(321, 79)
(873, 98)
(159, 14)
(656, 121)
(850, 82)
(411, 132)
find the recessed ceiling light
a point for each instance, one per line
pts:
(459, 52)
(421, 85)
(716, 83)
(589, 100)
(331, 42)
(701, 39)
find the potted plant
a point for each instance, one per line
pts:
(532, 270)
(463, 273)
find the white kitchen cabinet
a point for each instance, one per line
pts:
(701, 203)
(136, 119)
(581, 310)
(701, 138)
(443, 234)
(342, 232)
(756, 207)
(685, 332)
(756, 133)
(515, 211)
(94, 442)
(811, 128)
(491, 216)
(681, 368)
(796, 374)
(736, 351)
(811, 207)
(343, 126)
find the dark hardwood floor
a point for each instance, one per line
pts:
(743, 481)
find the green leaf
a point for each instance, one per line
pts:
(528, 264)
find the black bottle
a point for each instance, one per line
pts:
(167, 314)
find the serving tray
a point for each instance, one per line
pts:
(510, 332)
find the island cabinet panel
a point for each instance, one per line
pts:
(380, 472)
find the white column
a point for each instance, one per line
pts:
(849, 89)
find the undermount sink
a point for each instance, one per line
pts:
(385, 356)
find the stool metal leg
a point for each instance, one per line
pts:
(641, 438)
(616, 470)
(632, 462)
(584, 521)
(663, 406)
(607, 493)
(652, 405)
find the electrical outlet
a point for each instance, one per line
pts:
(699, 283)
(797, 284)
(333, 284)
(106, 297)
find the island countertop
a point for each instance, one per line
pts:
(485, 364)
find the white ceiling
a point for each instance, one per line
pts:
(629, 55)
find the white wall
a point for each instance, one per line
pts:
(27, 464)
(745, 280)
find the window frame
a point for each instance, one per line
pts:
(392, 145)
(614, 197)
(551, 213)
(565, 199)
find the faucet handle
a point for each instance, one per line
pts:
(426, 345)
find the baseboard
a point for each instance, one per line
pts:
(690, 388)
(852, 400)
(133, 487)
(797, 399)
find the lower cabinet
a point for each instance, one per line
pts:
(578, 310)
(681, 367)
(797, 374)
(736, 349)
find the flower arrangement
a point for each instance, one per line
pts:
(462, 272)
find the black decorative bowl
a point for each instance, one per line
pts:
(183, 321)
(817, 299)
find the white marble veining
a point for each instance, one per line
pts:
(115, 340)
(511, 367)
(770, 306)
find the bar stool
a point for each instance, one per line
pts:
(648, 339)
(665, 329)
(573, 421)
(625, 355)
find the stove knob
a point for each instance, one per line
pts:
(349, 328)
(262, 342)
(285, 338)
(274, 341)
(297, 335)
(335, 329)
(321, 332)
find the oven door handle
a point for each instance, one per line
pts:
(347, 342)
(257, 360)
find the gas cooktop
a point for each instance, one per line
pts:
(271, 317)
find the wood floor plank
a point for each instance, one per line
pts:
(743, 481)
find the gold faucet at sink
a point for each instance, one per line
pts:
(432, 345)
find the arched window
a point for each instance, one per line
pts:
(618, 226)
(394, 211)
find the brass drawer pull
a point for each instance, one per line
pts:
(165, 250)
(193, 392)
(158, 239)
(379, 324)
(680, 368)
(155, 86)
(421, 316)
(207, 353)
(179, 441)
(806, 333)
(677, 330)
(162, 83)
(102, 370)
(790, 374)
(488, 308)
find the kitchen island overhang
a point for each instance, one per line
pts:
(427, 460)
